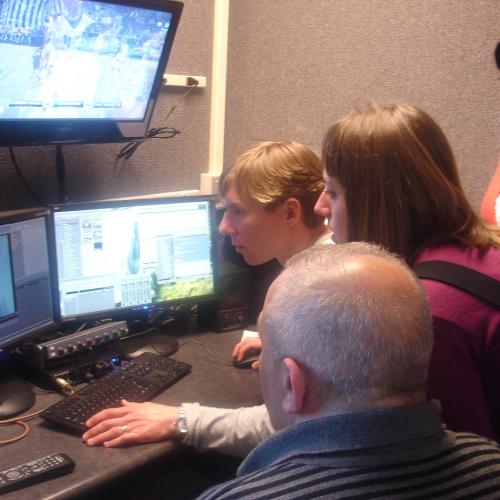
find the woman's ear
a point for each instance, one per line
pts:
(294, 389)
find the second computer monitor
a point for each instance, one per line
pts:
(117, 258)
(26, 299)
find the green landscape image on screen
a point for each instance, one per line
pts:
(188, 287)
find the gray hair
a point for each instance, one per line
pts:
(356, 318)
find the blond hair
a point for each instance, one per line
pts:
(401, 181)
(272, 172)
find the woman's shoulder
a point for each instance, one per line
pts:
(452, 304)
(485, 261)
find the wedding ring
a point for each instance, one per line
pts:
(123, 428)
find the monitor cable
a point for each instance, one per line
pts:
(21, 420)
(154, 133)
(157, 133)
(61, 175)
(23, 434)
(63, 385)
(23, 179)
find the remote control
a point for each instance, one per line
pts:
(35, 471)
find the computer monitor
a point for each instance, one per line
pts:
(26, 298)
(81, 70)
(118, 259)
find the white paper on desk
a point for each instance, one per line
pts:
(249, 334)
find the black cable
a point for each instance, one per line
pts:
(23, 180)
(188, 91)
(61, 175)
(156, 133)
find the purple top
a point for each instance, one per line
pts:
(464, 372)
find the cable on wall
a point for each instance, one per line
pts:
(157, 133)
(23, 179)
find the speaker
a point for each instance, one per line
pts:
(231, 310)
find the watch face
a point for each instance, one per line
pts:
(182, 424)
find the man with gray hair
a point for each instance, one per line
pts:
(347, 338)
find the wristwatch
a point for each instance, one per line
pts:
(181, 422)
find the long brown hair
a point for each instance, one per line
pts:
(401, 181)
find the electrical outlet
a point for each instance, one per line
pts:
(209, 183)
(183, 80)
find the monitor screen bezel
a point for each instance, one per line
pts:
(13, 217)
(136, 312)
(35, 132)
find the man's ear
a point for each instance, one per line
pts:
(293, 210)
(294, 386)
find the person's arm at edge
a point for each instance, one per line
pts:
(234, 432)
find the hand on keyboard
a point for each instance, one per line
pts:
(132, 423)
(138, 380)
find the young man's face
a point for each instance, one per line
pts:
(331, 205)
(259, 235)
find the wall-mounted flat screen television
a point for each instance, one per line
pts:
(81, 70)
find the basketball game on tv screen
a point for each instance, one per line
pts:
(71, 59)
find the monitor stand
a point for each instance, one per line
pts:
(155, 342)
(15, 397)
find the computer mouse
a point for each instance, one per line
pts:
(246, 362)
(15, 398)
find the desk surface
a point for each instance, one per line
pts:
(213, 381)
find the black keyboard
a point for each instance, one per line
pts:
(137, 380)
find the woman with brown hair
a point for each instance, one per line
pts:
(391, 178)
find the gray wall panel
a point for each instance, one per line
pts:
(295, 66)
